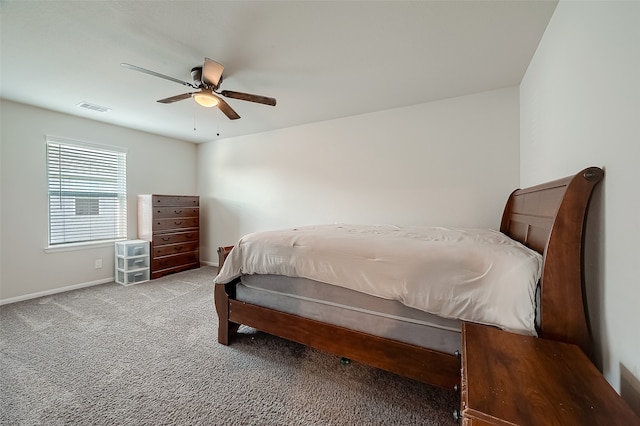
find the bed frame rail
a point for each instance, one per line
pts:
(401, 358)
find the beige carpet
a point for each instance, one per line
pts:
(147, 355)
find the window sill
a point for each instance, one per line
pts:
(81, 246)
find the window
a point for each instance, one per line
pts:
(87, 206)
(87, 192)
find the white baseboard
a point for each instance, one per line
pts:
(54, 291)
(72, 287)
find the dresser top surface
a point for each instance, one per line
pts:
(527, 380)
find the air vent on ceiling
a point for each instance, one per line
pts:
(93, 107)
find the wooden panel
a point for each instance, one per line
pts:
(175, 237)
(401, 358)
(171, 224)
(555, 214)
(167, 250)
(537, 238)
(537, 221)
(518, 231)
(531, 231)
(175, 200)
(475, 421)
(541, 202)
(175, 211)
(165, 262)
(513, 379)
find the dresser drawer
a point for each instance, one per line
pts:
(166, 262)
(175, 200)
(167, 250)
(175, 223)
(176, 237)
(174, 269)
(175, 211)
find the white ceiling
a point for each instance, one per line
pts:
(321, 59)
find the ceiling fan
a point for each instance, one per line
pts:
(207, 80)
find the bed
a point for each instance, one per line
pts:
(546, 220)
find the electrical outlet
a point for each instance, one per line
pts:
(98, 263)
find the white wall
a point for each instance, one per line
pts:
(452, 162)
(154, 164)
(580, 106)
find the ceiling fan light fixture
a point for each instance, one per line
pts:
(205, 99)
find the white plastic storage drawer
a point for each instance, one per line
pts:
(132, 262)
(132, 248)
(132, 277)
(129, 263)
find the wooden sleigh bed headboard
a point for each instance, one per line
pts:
(549, 218)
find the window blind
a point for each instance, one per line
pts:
(87, 192)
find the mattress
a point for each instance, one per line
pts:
(351, 309)
(477, 275)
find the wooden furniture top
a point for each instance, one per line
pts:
(510, 379)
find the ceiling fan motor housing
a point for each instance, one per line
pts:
(196, 74)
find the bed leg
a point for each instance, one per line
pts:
(226, 333)
(226, 328)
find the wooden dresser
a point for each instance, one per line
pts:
(510, 379)
(172, 224)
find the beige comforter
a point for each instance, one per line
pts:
(477, 275)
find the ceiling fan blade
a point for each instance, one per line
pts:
(212, 72)
(249, 97)
(175, 98)
(226, 109)
(157, 74)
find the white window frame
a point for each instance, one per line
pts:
(81, 170)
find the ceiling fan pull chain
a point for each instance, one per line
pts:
(194, 116)
(218, 122)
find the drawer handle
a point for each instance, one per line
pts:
(177, 211)
(166, 238)
(178, 222)
(178, 248)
